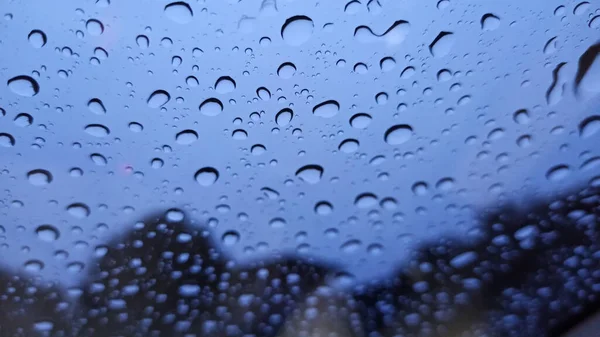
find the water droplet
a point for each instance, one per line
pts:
(47, 233)
(581, 8)
(297, 30)
(258, 149)
(211, 107)
(589, 126)
(387, 64)
(398, 134)
(39, 177)
(142, 41)
(392, 36)
(310, 173)
(186, 137)
(445, 184)
(351, 246)
(98, 159)
(24, 86)
(230, 238)
(94, 27)
(490, 22)
(286, 70)
(157, 163)
(326, 109)
(175, 215)
(7, 140)
(551, 46)
(79, 210)
(496, 134)
(365, 200)
(158, 99)
(558, 172)
(381, 98)
(442, 44)
(206, 176)
(361, 68)
(97, 130)
(179, 12)
(284, 117)
(225, 84)
(360, 120)
(277, 223)
(136, 127)
(588, 71)
(521, 116)
(37, 38)
(349, 146)
(239, 134)
(323, 208)
(96, 106)
(33, 266)
(23, 120)
(263, 93)
(192, 81)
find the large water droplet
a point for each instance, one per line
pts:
(7, 140)
(179, 12)
(398, 134)
(284, 117)
(442, 44)
(490, 22)
(142, 41)
(78, 210)
(158, 99)
(589, 126)
(297, 30)
(310, 173)
(588, 71)
(39, 177)
(351, 246)
(230, 238)
(94, 27)
(286, 70)
(97, 130)
(558, 172)
(96, 106)
(24, 86)
(323, 208)
(349, 146)
(98, 159)
(225, 84)
(365, 200)
(206, 176)
(186, 137)
(23, 120)
(33, 266)
(37, 38)
(277, 223)
(263, 93)
(211, 107)
(327, 109)
(47, 233)
(360, 120)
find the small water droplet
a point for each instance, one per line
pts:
(186, 137)
(97, 130)
(310, 173)
(589, 126)
(7, 140)
(158, 98)
(33, 266)
(78, 210)
(297, 30)
(326, 109)
(398, 134)
(47, 233)
(349, 146)
(39, 177)
(142, 41)
(442, 44)
(37, 38)
(277, 223)
(360, 120)
(225, 84)
(263, 93)
(490, 22)
(323, 208)
(206, 176)
(558, 172)
(98, 159)
(365, 200)
(284, 117)
(94, 27)
(96, 106)
(230, 238)
(179, 12)
(286, 70)
(211, 107)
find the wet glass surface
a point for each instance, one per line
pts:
(289, 167)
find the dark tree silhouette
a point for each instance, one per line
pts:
(30, 307)
(167, 278)
(531, 270)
